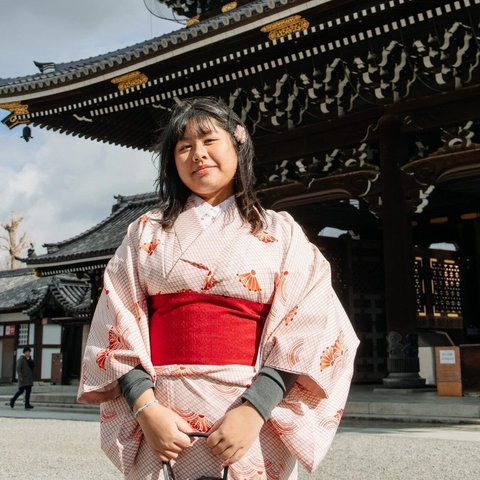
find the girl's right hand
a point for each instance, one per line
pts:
(164, 431)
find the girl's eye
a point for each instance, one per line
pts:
(183, 148)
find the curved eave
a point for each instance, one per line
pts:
(72, 297)
(73, 259)
(92, 136)
(101, 69)
(14, 309)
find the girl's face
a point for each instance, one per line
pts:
(207, 162)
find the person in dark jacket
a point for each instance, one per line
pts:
(25, 377)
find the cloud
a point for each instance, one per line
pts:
(64, 185)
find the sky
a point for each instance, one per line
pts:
(62, 185)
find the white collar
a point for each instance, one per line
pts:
(208, 213)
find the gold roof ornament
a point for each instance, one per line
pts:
(287, 26)
(229, 6)
(17, 108)
(193, 21)
(130, 80)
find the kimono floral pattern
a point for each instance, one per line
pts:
(265, 237)
(249, 281)
(306, 332)
(150, 247)
(115, 342)
(333, 355)
(198, 421)
(209, 280)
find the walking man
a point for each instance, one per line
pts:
(25, 377)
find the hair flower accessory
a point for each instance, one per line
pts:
(240, 134)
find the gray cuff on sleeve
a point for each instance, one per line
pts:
(269, 389)
(134, 383)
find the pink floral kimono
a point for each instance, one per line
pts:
(306, 332)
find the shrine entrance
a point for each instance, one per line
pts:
(71, 350)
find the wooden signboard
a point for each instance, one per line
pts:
(449, 373)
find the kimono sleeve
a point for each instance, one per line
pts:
(311, 335)
(118, 338)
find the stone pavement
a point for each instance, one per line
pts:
(383, 435)
(365, 402)
(362, 450)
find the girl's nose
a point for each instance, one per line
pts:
(199, 152)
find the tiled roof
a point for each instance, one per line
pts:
(16, 287)
(286, 69)
(71, 71)
(104, 238)
(71, 294)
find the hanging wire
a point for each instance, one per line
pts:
(156, 8)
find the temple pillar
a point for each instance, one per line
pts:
(400, 301)
(37, 324)
(95, 277)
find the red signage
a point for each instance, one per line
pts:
(9, 330)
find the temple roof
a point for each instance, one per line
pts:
(67, 295)
(22, 291)
(97, 244)
(16, 287)
(294, 70)
(143, 53)
(311, 80)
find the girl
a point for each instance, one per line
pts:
(219, 317)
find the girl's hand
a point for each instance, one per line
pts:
(232, 436)
(163, 430)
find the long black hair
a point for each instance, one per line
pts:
(172, 192)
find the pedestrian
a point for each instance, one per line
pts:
(217, 316)
(25, 367)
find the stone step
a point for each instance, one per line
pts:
(414, 411)
(52, 400)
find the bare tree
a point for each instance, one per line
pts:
(10, 243)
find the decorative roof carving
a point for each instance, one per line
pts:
(229, 6)
(287, 26)
(18, 115)
(193, 21)
(17, 108)
(459, 138)
(130, 80)
(45, 67)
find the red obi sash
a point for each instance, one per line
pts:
(203, 329)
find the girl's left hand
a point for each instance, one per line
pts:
(232, 436)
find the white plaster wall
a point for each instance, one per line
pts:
(52, 335)
(47, 353)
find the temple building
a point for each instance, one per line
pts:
(365, 118)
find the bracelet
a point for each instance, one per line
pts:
(143, 407)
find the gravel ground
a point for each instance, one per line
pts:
(62, 449)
